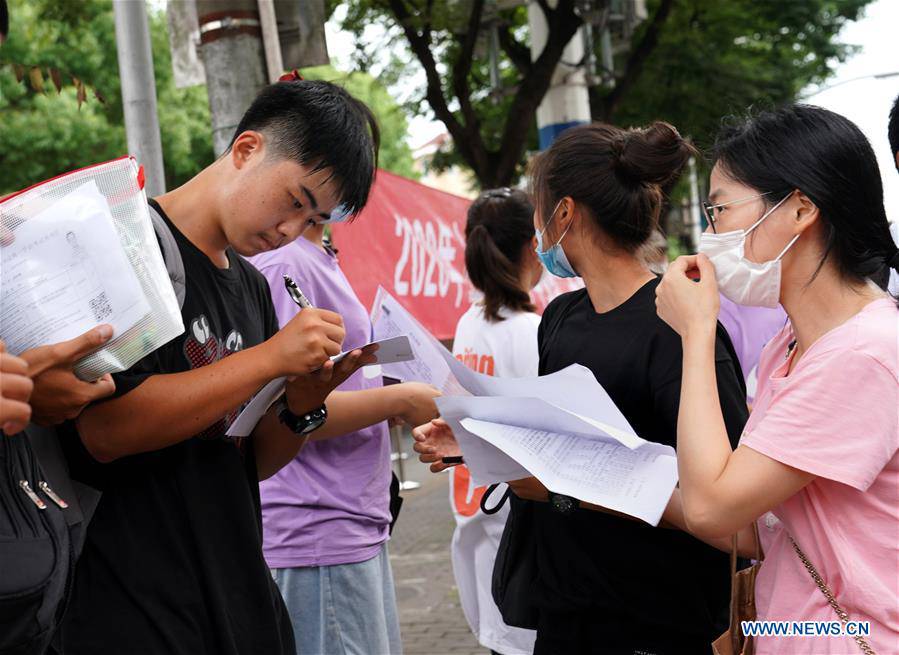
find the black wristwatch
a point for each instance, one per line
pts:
(302, 424)
(562, 504)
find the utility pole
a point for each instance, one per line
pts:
(132, 31)
(567, 102)
(233, 57)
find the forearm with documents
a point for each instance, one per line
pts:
(169, 408)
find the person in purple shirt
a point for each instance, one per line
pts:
(750, 329)
(326, 514)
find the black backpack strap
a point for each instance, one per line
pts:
(46, 448)
(174, 265)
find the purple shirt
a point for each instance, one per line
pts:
(330, 505)
(750, 329)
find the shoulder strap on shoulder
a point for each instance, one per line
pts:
(174, 265)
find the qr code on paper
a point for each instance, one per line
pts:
(100, 307)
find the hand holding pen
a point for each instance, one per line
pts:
(306, 342)
(347, 365)
(308, 391)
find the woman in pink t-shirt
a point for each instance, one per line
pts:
(796, 217)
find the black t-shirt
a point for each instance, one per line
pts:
(626, 578)
(173, 559)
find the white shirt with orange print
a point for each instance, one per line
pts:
(507, 349)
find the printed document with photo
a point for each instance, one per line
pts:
(64, 272)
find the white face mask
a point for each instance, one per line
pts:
(740, 280)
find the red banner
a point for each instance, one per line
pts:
(410, 239)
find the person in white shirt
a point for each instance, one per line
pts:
(496, 336)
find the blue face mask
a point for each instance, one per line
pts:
(554, 259)
(340, 214)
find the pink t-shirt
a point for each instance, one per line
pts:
(837, 416)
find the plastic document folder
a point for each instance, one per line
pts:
(78, 251)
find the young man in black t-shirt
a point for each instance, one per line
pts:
(173, 561)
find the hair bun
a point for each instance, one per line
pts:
(653, 155)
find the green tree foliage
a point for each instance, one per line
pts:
(394, 155)
(691, 62)
(44, 134)
(713, 59)
(448, 42)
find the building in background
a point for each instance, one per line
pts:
(455, 179)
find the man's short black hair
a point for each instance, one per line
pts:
(320, 124)
(893, 131)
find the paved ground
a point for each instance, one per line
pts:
(430, 615)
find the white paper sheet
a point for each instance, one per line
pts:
(573, 389)
(562, 428)
(65, 272)
(532, 412)
(637, 482)
(246, 421)
(389, 350)
(390, 319)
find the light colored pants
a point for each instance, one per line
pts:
(344, 609)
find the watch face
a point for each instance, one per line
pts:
(313, 424)
(563, 504)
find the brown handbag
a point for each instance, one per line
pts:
(742, 603)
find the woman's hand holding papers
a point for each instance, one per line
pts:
(433, 442)
(529, 489)
(15, 390)
(58, 394)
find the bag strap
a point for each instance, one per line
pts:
(171, 254)
(831, 599)
(502, 500)
(48, 452)
(735, 634)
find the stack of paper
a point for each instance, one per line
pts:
(390, 319)
(561, 428)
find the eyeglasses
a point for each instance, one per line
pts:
(709, 210)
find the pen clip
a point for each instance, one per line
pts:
(294, 292)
